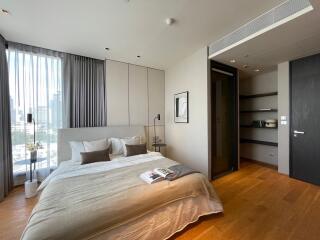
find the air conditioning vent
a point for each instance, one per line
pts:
(265, 22)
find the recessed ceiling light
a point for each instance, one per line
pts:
(138, 56)
(170, 21)
(232, 60)
(257, 70)
(4, 11)
(245, 66)
(107, 48)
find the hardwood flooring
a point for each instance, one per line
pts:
(259, 204)
(14, 213)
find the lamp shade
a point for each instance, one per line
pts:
(29, 118)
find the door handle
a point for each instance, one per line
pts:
(295, 133)
(298, 132)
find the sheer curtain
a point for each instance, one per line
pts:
(35, 80)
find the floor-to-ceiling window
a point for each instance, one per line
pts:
(35, 87)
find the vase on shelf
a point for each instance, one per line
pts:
(156, 140)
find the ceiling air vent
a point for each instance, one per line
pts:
(275, 17)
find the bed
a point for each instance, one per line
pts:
(108, 200)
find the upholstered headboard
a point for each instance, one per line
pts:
(66, 135)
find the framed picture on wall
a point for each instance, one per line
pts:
(181, 107)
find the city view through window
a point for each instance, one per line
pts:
(35, 87)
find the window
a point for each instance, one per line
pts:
(35, 87)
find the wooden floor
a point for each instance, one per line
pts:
(14, 213)
(259, 204)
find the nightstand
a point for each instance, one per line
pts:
(158, 146)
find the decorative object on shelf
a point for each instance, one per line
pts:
(271, 123)
(181, 107)
(32, 184)
(156, 139)
(251, 126)
(258, 123)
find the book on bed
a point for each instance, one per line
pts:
(157, 175)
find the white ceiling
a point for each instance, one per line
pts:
(128, 28)
(295, 39)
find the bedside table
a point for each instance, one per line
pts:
(158, 146)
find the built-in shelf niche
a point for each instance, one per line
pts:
(262, 110)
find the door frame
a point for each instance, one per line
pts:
(228, 69)
(290, 119)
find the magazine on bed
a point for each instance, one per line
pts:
(157, 175)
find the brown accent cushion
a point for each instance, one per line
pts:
(136, 149)
(96, 156)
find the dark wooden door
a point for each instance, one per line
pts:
(224, 120)
(305, 119)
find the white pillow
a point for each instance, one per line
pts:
(117, 144)
(97, 145)
(129, 141)
(76, 149)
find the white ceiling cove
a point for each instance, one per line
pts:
(128, 28)
(295, 39)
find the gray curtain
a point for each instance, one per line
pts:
(6, 171)
(84, 92)
(83, 87)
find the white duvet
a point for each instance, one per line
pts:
(68, 169)
(108, 200)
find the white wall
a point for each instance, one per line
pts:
(262, 83)
(188, 142)
(138, 95)
(135, 94)
(283, 110)
(117, 91)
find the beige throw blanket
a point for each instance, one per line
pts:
(86, 205)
